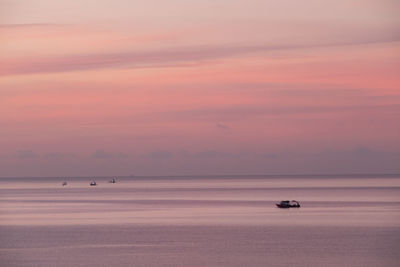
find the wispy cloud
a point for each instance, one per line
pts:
(241, 112)
(157, 58)
(222, 126)
(31, 25)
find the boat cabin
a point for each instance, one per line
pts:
(288, 204)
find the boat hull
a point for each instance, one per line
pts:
(287, 206)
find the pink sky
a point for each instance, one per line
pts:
(199, 87)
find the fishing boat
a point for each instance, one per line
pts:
(93, 183)
(113, 181)
(288, 204)
(64, 183)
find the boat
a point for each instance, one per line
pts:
(288, 204)
(113, 181)
(93, 183)
(64, 183)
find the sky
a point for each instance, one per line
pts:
(99, 87)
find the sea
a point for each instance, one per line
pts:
(344, 220)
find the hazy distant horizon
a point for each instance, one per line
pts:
(309, 175)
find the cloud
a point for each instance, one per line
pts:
(357, 159)
(208, 154)
(31, 25)
(222, 126)
(135, 59)
(183, 154)
(178, 56)
(57, 156)
(267, 155)
(159, 155)
(101, 154)
(358, 152)
(241, 112)
(27, 154)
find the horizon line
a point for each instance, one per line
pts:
(209, 175)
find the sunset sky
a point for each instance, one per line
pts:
(98, 87)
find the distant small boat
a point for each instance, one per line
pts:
(288, 204)
(113, 181)
(93, 183)
(64, 183)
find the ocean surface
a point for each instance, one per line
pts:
(201, 221)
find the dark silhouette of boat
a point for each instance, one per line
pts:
(64, 183)
(93, 183)
(288, 204)
(113, 181)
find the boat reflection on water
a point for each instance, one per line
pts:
(288, 204)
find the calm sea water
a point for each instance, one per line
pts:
(200, 221)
